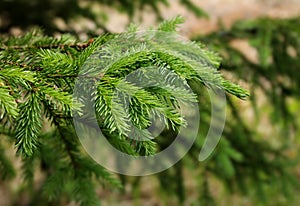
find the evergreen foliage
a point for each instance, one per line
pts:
(37, 77)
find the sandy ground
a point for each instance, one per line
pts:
(226, 11)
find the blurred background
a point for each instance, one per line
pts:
(257, 159)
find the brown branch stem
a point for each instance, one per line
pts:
(78, 46)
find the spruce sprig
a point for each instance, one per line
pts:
(38, 75)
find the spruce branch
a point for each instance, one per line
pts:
(38, 77)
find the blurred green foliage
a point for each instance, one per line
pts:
(261, 151)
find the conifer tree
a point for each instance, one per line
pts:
(38, 75)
